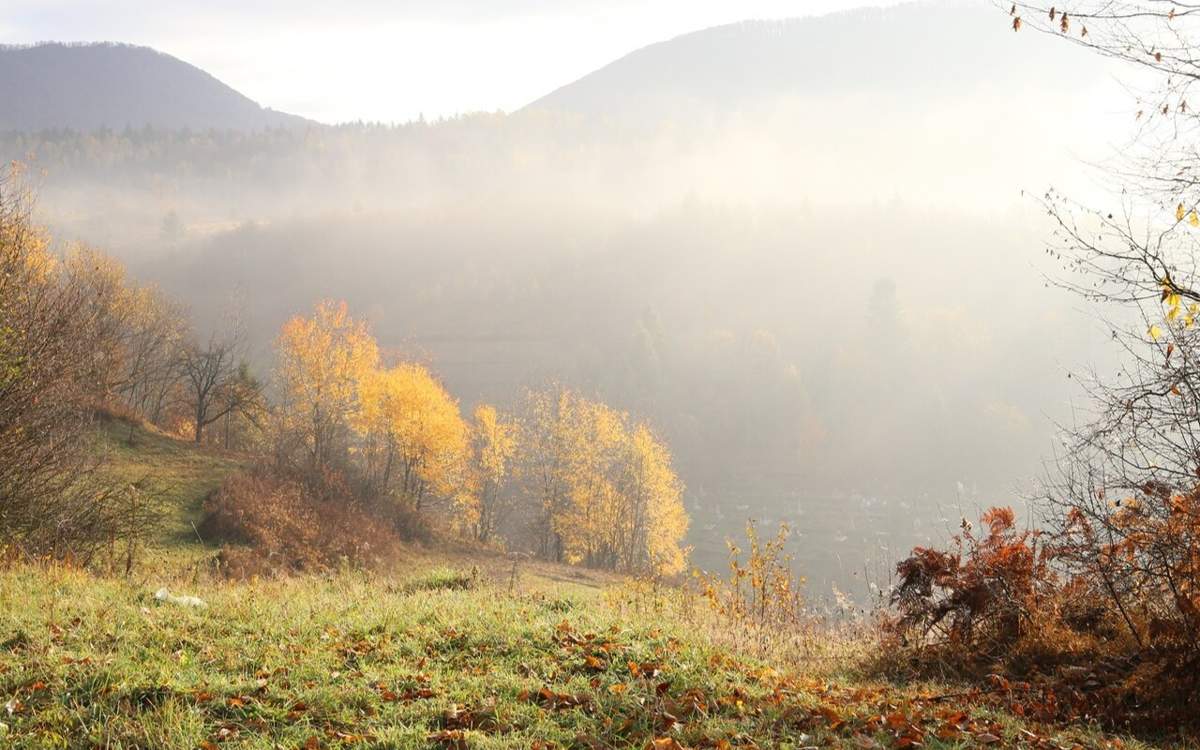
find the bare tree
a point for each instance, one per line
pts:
(248, 409)
(156, 333)
(217, 381)
(1125, 496)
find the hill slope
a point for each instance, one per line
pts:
(427, 662)
(933, 49)
(424, 656)
(92, 86)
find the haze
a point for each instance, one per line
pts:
(804, 249)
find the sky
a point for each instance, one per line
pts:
(390, 60)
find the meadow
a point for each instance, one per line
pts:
(445, 648)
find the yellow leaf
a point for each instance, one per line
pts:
(1193, 219)
(1155, 333)
(1179, 212)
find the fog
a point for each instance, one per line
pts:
(827, 286)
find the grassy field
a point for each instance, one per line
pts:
(178, 474)
(449, 650)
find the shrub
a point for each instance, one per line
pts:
(443, 579)
(1143, 550)
(408, 523)
(761, 598)
(53, 502)
(1065, 624)
(979, 594)
(283, 526)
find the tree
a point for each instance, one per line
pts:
(493, 448)
(655, 521)
(52, 501)
(105, 300)
(415, 440)
(217, 382)
(1123, 498)
(589, 523)
(605, 489)
(138, 336)
(247, 408)
(156, 329)
(322, 361)
(547, 457)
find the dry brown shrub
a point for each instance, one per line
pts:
(1014, 611)
(980, 593)
(277, 524)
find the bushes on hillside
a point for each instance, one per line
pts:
(761, 598)
(1085, 623)
(978, 594)
(53, 504)
(277, 524)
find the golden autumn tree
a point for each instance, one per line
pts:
(655, 521)
(493, 448)
(322, 360)
(588, 524)
(547, 456)
(414, 439)
(606, 491)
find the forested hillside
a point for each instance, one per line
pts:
(117, 86)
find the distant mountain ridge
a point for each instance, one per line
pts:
(89, 86)
(939, 48)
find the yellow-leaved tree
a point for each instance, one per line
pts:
(588, 525)
(413, 437)
(486, 503)
(547, 456)
(656, 520)
(322, 360)
(606, 491)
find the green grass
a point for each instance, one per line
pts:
(367, 661)
(442, 578)
(449, 650)
(178, 473)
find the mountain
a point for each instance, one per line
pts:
(938, 49)
(93, 86)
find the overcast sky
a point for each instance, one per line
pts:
(390, 60)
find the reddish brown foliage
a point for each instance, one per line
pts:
(1144, 551)
(287, 527)
(978, 595)
(1072, 632)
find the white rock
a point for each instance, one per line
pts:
(165, 595)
